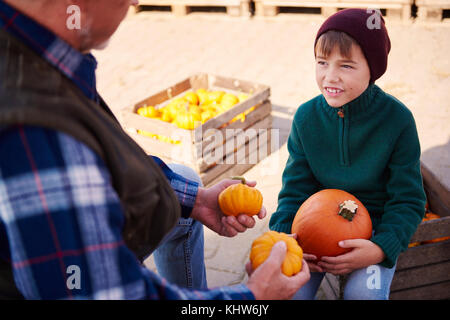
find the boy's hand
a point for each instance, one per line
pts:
(309, 258)
(312, 262)
(364, 253)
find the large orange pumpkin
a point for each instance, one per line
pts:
(327, 217)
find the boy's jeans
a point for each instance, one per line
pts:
(179, 258)
(370, 283)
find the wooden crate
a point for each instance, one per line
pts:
(213, 150)
(183, 7)
(393, 8)
(431, 10)
(422, 272)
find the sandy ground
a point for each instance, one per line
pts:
(152, 51)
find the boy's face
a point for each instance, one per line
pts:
(342, 79)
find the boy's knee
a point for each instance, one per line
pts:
(364, 293)
(368, 284)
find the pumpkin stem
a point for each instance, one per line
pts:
(239, 178)
(347, 209)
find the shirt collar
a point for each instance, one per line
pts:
(360, 107)
(79, 68)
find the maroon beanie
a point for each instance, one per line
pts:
(368, 29)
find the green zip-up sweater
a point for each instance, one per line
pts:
(372, 152)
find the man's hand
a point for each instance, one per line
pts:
(363, 254)
(267, 282)
(207, 211)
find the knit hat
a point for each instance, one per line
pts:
(369, 31)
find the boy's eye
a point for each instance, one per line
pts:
(346, 66)
(322, 63)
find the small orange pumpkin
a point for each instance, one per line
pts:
(262, 246)
(240, 198)
(327, 217)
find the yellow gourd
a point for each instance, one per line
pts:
(240, 199)
(262, 246)
(187, 120)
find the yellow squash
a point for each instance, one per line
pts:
(262, 246)
(239, 198)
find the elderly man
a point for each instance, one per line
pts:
(81, 205)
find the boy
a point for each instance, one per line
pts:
(357, 138)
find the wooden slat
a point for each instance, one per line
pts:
(182, 7)
(228, 115)
(226, 170)
(334, 4)
(253, 117)
(155, 126)
(261, 110)
(192, 2)
(421, 276)
(165, 94)
(445, 4)
(225, 152)
(213, 142)
(250, 147)
(424, 254)
(438, 195)
(432, 229)
(435, 291)
(179, 153)
(236, 84)
(328, 7)
(330, 286)
(199, 80)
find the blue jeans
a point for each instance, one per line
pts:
(180, 256)
(370, 283)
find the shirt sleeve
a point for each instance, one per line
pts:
(63, 222)
(185, 189)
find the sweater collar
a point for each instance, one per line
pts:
(358, 107)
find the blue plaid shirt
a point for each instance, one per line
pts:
(58, 208)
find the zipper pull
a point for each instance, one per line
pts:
(341, 112)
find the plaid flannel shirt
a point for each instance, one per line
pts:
(59, 214)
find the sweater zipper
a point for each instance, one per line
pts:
(343, 137)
